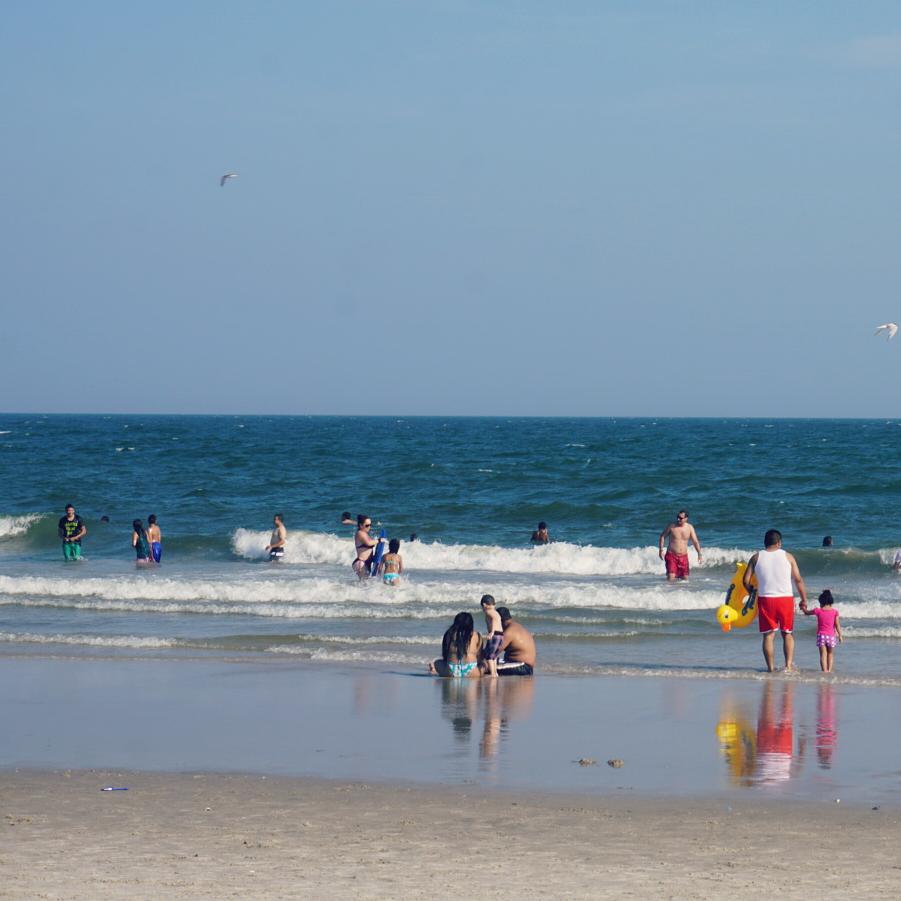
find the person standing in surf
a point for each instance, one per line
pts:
(776, 569)
(278, 538)
(392, 565)
(155, 537)
(71, 530)
(365, 546)
(140, 543)
(680, 534)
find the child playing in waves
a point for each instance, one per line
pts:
(829, 630)
(392, 563)
(495, 634)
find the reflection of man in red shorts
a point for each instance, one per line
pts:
(775, 735)
(680, 533)
(776, 569)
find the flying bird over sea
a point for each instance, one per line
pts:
(226, 177)
(890, 329)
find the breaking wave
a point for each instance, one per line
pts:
(559, 558)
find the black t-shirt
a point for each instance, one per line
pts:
(70, 527)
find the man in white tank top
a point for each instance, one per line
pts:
(775, 570)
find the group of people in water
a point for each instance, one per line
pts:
(147, 542)
(507, 648)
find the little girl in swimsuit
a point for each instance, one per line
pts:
(829, 630)
(392, 564)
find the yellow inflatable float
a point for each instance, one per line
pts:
(739, 608)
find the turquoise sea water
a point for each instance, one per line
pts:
(473, 490)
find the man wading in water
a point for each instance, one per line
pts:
(681, 533)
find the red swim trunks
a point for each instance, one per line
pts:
(776, 613)
(676, 565)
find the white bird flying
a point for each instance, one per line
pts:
(890, 329)
(226, 177)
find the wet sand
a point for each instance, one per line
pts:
(220, 836)
(283, 780)
(774, 738)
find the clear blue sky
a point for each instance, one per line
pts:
(573, 208)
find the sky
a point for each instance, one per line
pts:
(451, 207)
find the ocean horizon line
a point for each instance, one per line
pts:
(460, 416)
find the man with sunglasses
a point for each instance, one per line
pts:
(680, 533)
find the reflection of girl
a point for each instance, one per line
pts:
(139, 542)
(459, 650)
(829, 630)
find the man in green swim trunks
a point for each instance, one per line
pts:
(71, 531)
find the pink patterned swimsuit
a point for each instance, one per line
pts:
(826, 617)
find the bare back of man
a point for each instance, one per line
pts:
(518, 647)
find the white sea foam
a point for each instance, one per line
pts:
(281, 611)
(324, 655)
(101, 641)
(369, 639)
(558, 558)
(582, 636)
(295, 593)
(885, 632)
(11, 526)
(887, 555)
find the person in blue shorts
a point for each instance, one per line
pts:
(71, 531)
(155, 537)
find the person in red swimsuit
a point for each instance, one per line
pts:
(680, 533)
(775, 570)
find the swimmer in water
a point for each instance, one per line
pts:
(347, 519)
(139, 542)
(155, 537)
(392, 565)
(365, 546)
(276, 546)
(71, 531)
(540, 535)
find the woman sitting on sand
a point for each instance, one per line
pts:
(459, 650)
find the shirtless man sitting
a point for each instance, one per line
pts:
(518, 647)
(681, 533)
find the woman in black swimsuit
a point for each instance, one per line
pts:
(365, 545)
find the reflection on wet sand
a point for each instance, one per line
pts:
(827, 730)
(496, 701)
(766, 753)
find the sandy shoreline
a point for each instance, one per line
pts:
(221, 836)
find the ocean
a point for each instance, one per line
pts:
(472, 489)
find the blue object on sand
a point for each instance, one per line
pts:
(113, 788)
(379, 553)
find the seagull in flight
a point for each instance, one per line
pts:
(226, 177)
(890, 329)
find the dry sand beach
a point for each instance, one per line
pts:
(219, 836)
